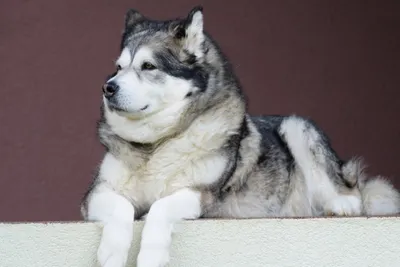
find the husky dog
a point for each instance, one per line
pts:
(180, 145)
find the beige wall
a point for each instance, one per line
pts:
(347, 242)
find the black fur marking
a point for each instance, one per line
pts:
(283, 145)
(191, 59)
(145, 147)
(273, 145)
(334, 169)
(171, 65)
(346, 182)
(233, 145)
(180, 32)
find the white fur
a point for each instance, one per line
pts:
(195, 35)
(124, 59)
(320, 190)
(116, 214)
(138, 89)
(343, 205)
(148, 129)
(167, 173)
(187, 160)
(380, 197)
(164, 182)
(163, 214)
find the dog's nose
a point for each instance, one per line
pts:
(109, 89)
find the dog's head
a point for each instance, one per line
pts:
(165, 75)
(159, 66)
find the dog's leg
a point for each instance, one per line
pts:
(343, 205)
(157, 231)
(115, 212)
(117, 215)
(313, 157)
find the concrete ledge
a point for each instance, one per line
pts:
(322, 242)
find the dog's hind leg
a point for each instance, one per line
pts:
(326, 189)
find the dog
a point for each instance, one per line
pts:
(180, 145)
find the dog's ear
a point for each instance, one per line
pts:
(190, 32)
(132, 17)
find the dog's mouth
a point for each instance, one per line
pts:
(144, 108)
(114, 107)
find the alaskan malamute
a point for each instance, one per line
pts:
(180, 145)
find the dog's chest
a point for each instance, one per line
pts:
(172, 168)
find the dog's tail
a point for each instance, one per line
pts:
(379, 197)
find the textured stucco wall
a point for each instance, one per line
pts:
(346, 242)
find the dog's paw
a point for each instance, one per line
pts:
(155, 257)
(343, 206)
(114, 247)
(110, 257)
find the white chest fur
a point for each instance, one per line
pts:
(193, 158)
(182, 162)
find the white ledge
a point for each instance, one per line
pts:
(319, 242)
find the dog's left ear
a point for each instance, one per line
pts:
(190, 32)
(132, 17)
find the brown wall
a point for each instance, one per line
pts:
(336, 61)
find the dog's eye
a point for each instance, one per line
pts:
(119, 67)
(148, 66)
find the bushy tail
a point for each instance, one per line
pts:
(379, 197)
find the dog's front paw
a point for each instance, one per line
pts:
(343, 206)
(155, 257)
(108, 256)
(114, 247)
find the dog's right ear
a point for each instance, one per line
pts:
(189, 32)
(132, 17)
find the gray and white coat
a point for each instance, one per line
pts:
(180, 145)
